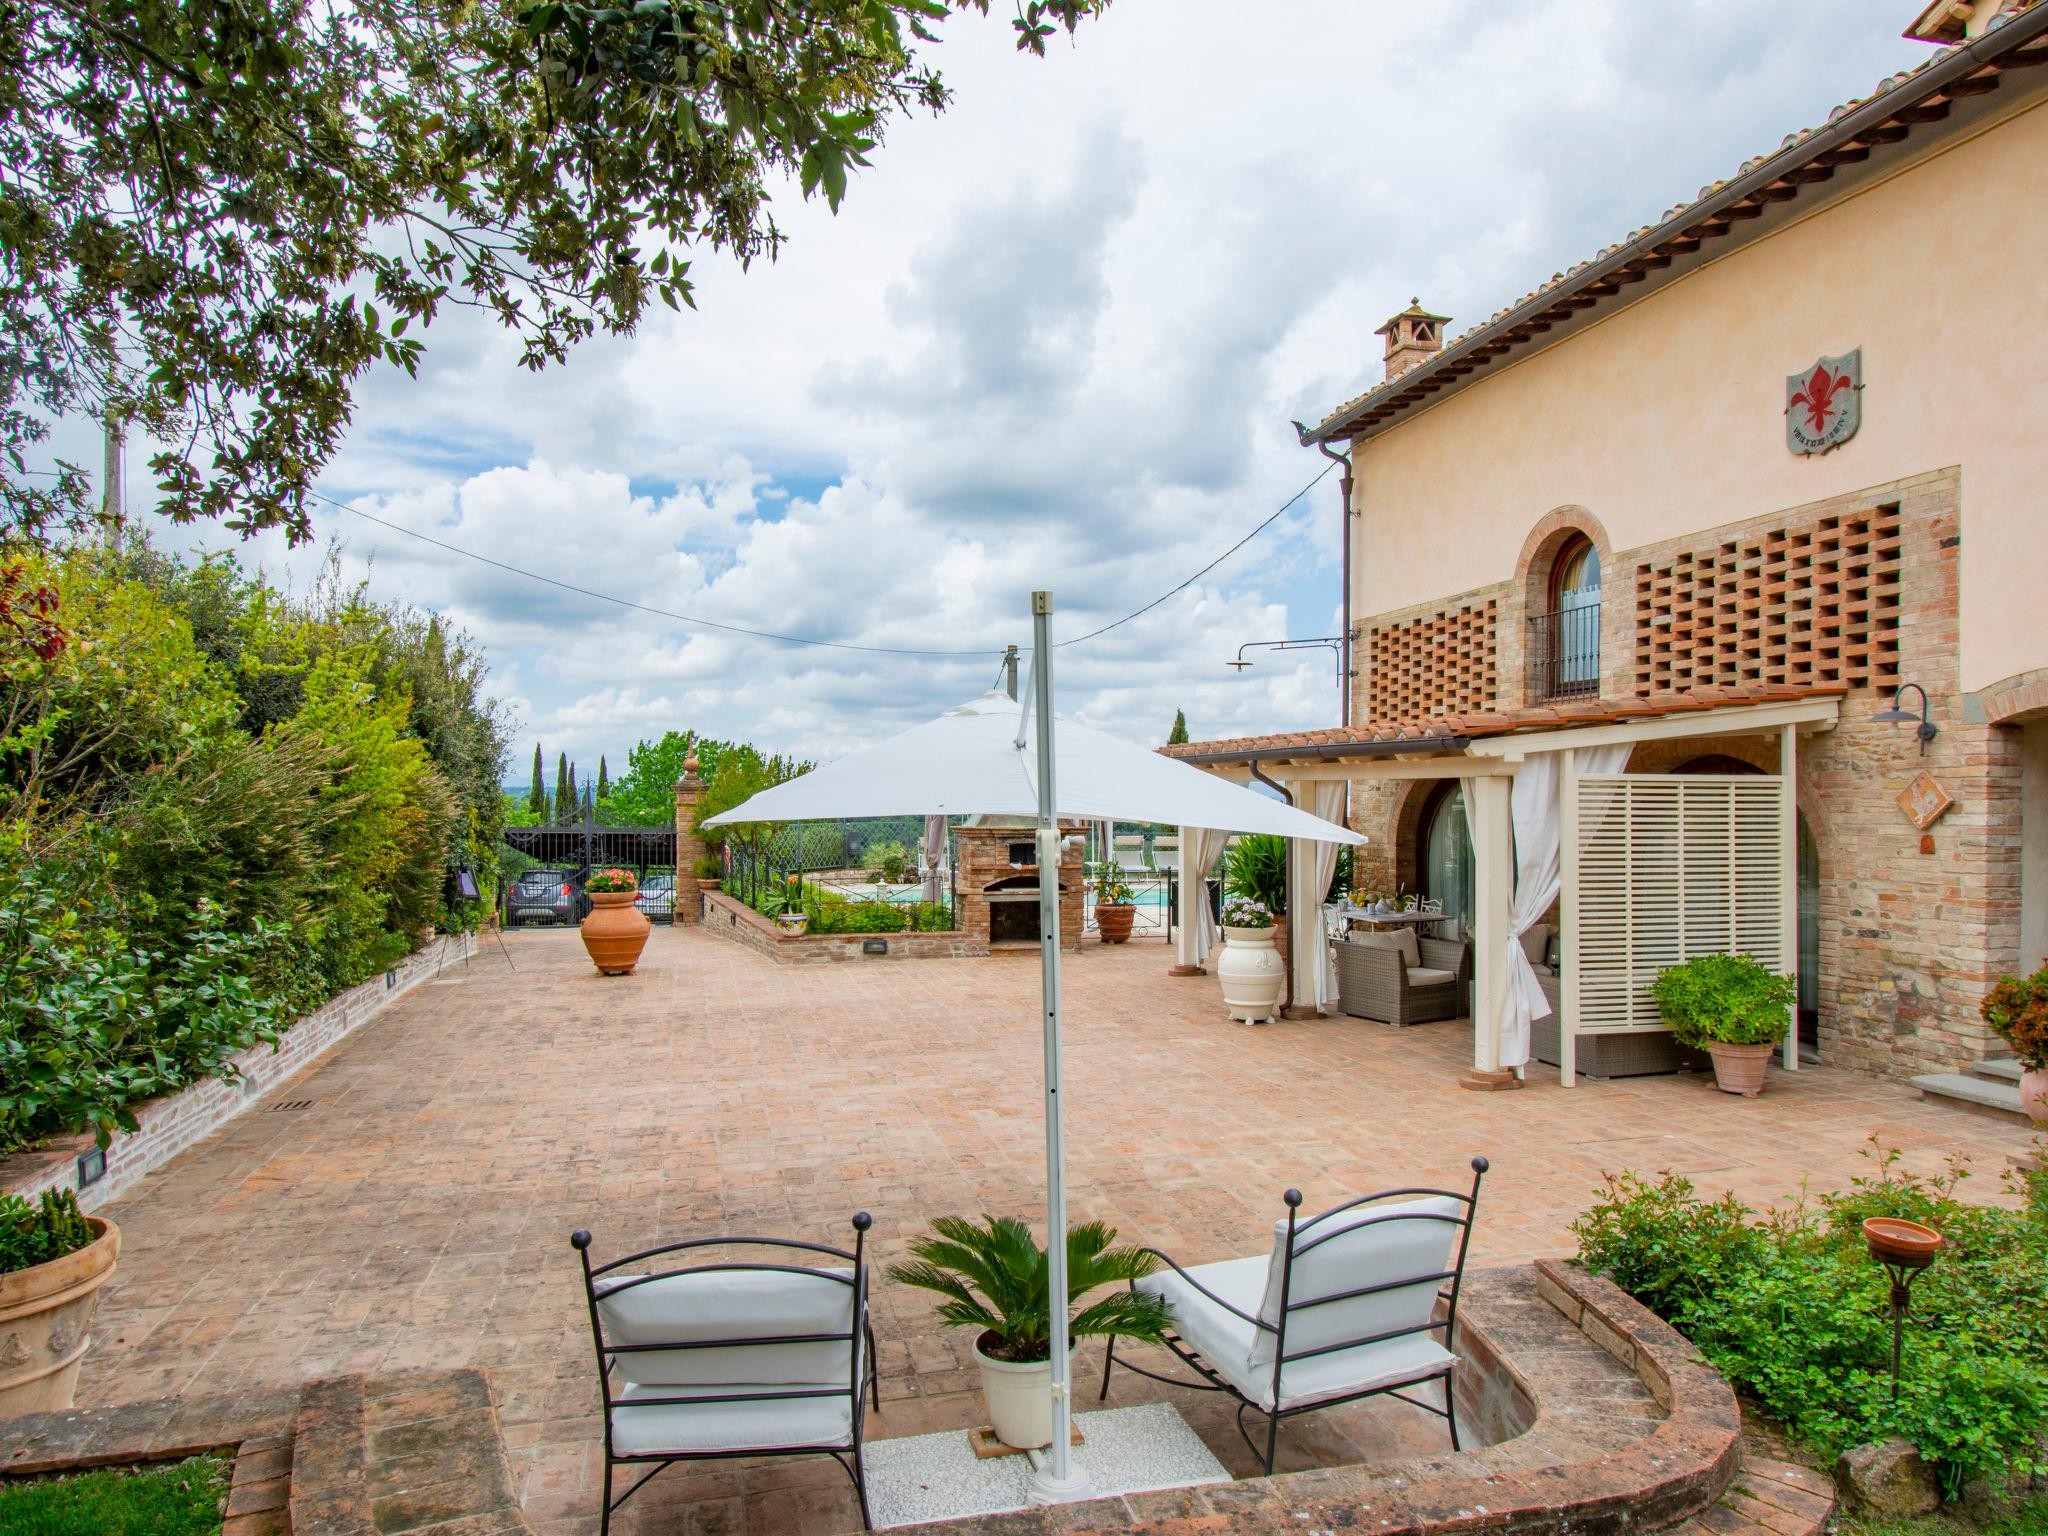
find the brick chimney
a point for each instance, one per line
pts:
(1413, 336)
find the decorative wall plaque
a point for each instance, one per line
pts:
(1824, 404)
(1925, 800)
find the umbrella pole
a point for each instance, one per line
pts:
(1055, 1479)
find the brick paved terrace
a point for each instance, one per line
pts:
(416, 1212)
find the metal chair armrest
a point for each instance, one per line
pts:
(1168, 1261)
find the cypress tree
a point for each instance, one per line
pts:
(1179, 733)
(565, 802)
(573, 806)
(537, 797)
(604, 779)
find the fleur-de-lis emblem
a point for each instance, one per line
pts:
(1821, 404)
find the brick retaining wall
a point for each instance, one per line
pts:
(730, 918)
(168, 1125)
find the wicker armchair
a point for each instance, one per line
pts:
(1376, 981)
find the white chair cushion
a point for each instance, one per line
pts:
(730, 1304)
(1429, 976)
(1535, 940)
(1229, 1344)
(1402, 940)
(1223, 1340)
(682, 1428)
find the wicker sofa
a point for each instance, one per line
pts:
(1631, 1055)
(1398, 978)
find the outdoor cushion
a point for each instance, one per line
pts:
(675, 1428)
(730, 1304)
(1401, 939)
(1535, 941)
(1231, 1346)
(1366, 1245)
(1428, 976)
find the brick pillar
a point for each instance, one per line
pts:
(689, 905)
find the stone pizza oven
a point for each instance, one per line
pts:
(995, 878)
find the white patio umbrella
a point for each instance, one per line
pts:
(975, 759)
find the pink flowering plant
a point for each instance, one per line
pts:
(1243, 912)
(605, 881)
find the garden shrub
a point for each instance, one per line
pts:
(1255, 867)
(1724, 999)
(35, 1233)
(218, 806)
(2017, 1011)
(1789, 1307)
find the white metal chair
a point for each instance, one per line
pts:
(1357, 1302)
(718, 1360)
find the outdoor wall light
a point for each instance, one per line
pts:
(1898, 714)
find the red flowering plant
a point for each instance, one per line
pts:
(2017, 1010)
(609, 880)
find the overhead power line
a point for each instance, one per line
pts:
(785, 639)
(664, 613)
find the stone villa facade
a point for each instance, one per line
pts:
(1787, 442)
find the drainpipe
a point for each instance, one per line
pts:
(1287, 889)
(1344, 715)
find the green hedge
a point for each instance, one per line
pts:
(1789, 1307)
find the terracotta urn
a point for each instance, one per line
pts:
(615, 932)
(46, 1314)
(1252, 974)
(1113, 921)
(1740, 1068)
(2034, 1094)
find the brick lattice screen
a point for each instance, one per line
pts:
(1441, 664)
(1819, 603)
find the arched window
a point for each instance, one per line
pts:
(1444, 854)
(1570, 635)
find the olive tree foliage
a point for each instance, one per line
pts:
(217, 215)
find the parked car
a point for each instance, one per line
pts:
(657, 898)
(543, 896)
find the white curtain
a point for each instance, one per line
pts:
(934, 858)
(1200, 848)
(1537, 806)
(1328, 803)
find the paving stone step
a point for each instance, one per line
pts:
(1983, 1094)
(1766, 1498)
(2004, 1068)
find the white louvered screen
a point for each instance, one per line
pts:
(1671, 866)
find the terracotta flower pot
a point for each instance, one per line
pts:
(615, 932)
(46, 1317)
(1741, 1068)
(1113, 921)
(2034, 1094)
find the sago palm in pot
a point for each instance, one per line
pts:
(996, 1279)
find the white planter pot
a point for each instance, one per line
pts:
(1019, 1399)
(1252, 973)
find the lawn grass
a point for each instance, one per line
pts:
(182, 1499)
(2022, 1517)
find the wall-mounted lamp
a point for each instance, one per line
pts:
(1898, 714)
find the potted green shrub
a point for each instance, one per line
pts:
(995, 1279)
(708, 871)
(1732, 1006)
(2017, 1011)
(794, 920)
(53, 1261)
(1114, 907)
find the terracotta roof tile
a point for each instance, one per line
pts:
(1447, 728)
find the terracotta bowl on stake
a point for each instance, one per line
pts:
(1894, 1240)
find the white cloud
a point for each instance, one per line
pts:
(1054, 340)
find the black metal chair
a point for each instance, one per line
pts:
(712, 1361)
(1343, 1308)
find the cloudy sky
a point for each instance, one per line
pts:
(1053, 339)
